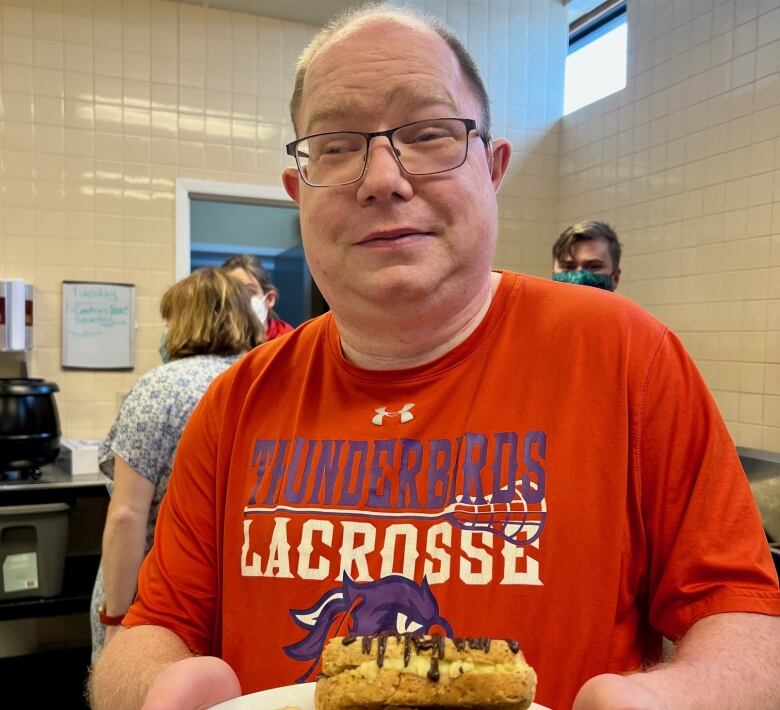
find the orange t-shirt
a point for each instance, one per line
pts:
(561, 477)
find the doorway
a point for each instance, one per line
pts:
(215, 221)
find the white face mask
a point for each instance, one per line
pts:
(260, 308)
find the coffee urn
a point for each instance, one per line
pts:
(29, 422)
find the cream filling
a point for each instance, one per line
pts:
(420, 665)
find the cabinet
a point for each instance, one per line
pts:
(87, 498)
(51, 636)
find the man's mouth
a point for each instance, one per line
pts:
(393, 235)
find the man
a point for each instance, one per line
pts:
(588, 253)
(451, 449)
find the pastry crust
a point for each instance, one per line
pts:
(413, 671)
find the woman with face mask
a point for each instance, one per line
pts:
(264, 295)
(210, 324)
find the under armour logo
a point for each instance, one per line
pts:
(381, 413)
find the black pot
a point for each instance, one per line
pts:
(29, 425)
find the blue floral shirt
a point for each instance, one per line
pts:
(146, 433)
(152, 417)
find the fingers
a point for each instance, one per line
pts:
(193, 684)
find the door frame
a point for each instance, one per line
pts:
(187, 188)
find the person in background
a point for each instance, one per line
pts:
(210, 324)
(451, 449)
(588, 253)
(248, 270)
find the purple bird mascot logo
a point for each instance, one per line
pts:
(393, 603)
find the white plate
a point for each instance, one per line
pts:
(301, 695)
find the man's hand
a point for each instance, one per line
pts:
(193, 684)
(720, 663)
(616, 692)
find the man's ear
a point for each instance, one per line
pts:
(291, 180)
(615, 279)
(499, 152)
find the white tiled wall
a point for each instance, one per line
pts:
(520, 48)
(106, 102)
(103, 104)
(685, 163)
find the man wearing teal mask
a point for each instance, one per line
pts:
(588, 253)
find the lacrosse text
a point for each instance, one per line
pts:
(399, 474)
(327, 549)
(472, 507)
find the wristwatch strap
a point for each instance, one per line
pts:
(107, 620)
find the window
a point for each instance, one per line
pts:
(596, 62)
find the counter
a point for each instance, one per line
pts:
(53, 477)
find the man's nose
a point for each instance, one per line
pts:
(384, 176)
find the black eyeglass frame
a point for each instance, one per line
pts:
(469, 123)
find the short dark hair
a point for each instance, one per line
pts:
(583, 231)
(410, 17)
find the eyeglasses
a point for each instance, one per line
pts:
(421, 148)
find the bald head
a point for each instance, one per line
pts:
(353, 21)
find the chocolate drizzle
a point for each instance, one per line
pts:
(433, 671)
(408, 638)
(381, 646)
(430, 643)
(477, 644)
(433, 643)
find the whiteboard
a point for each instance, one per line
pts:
(98, 325)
